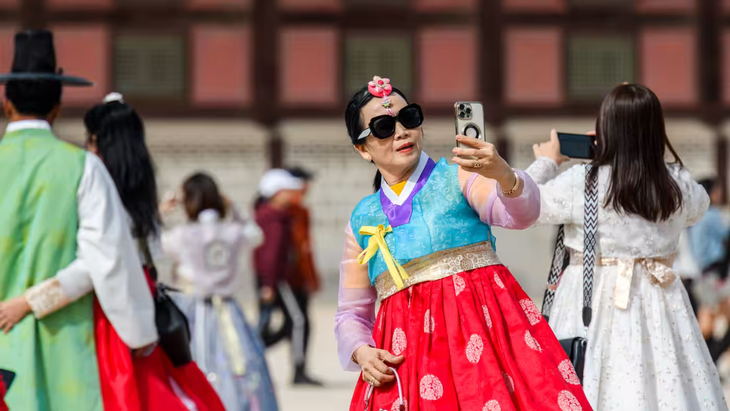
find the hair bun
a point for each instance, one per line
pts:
(112, 97)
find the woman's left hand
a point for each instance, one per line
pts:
(484, 160)
(12, 312)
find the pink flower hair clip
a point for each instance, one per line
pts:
(380, 87)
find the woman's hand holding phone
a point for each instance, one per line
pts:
(480, 157)
(550, 149)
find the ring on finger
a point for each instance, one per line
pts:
(477, 164)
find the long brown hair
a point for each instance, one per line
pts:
(633, 141)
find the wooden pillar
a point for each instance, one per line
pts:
(265, 58)
(709, 25)
(492, 77)
(33, 14)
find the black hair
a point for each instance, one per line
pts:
(120, 140)
(632, 140)
(34, 97)
(301, 173)
(201, 193)
(353, 120)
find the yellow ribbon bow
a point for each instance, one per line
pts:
(377, 241)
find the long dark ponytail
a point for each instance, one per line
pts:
(121, 144)
(353, 120)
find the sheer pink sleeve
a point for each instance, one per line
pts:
(355, 317)
(494, 208)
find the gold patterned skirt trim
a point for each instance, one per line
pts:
(439, 265)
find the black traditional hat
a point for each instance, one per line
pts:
(35, 59)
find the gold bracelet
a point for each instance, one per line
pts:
(514, 188)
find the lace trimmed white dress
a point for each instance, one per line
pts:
(645, 350)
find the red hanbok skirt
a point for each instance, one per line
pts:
(3, 406)
(141, 384)
(473, 341)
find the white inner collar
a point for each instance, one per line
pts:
(410, 185)
(27, 124)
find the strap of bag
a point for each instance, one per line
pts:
(145, 248)
(590, 224)
(556, 270)
(590, 214)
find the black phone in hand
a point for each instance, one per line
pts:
(7, 377)
(580, 146)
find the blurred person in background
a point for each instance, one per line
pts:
(206, 253)
(644, 350)
(305, 279)
(453, 321)
(275, 263)
(61, 209)
(115, 133)
(708, 237)
(708, 241)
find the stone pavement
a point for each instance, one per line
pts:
(324, 364)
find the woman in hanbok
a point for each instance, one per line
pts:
(453, 323)
(147, 380)
(206, 253)
(645, 351)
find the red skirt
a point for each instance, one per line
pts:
(141, 384)
(3, 406)
(472, 341)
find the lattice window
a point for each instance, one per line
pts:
(597, 64)
(385, 56)
(150, 66)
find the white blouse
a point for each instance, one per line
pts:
(619, 235)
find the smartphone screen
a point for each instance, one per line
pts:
(577, 145)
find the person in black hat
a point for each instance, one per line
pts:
(59, 209)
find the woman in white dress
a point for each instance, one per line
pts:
(645, 351)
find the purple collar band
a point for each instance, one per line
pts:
(401, 214)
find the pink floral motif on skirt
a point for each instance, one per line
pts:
(492, 405)
(397, 405)
(428, 324)
(459, 284)
(532, 342)
(399, 341)
(531, 311)
(431, 388)
(568, 372)
(568, 402)
(474, 349)
(498, 281)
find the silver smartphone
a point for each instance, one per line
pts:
(469, 119)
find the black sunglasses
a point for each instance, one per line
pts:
(383, 126)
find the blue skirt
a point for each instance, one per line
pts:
(229, 353)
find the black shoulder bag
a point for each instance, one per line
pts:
(172, 325)
(575, 347)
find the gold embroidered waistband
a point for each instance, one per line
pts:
(659, 269)
(439, 265)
